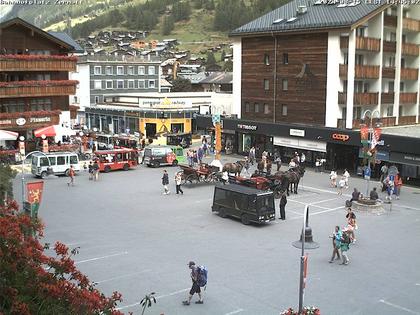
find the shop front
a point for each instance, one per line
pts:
(152, 126)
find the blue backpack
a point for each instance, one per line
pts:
(202, 276)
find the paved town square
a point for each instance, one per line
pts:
(136, 240)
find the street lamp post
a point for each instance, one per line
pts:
(370, 139)
(22, 154)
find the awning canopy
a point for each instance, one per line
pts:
(47, 131)
(8, 135)
(52, 131)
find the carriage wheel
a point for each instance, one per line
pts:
(209, 178)
(191, 178)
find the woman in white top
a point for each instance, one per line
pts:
(333, 178)
(346, 176)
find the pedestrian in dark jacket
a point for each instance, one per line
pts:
(283, 202)
(165, 182)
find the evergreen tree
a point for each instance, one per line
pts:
(228, 66)
(210, 60)
(222, 56)
(181, 85)
(181, 11)
(167, 25)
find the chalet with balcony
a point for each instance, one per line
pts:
(34, 77)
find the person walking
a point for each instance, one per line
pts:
(302, 158)
(283, 202)
(71, 175)
(317, 165)
(341, 185)
(384, 172)
(251, 155)
(351, 224)
(90, 170)
(165, 182)
(346, 176)
(277, 160)
(200, 154)
(195, 288)
(398, 185)
(95, 168)
(336, 240)
(333, 178)
(345, 246)
(246, 166)
(178, 181)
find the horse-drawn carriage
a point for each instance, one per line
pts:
(203, 173)
(261, 183)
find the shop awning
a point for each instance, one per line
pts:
(8, 135)
(52, 131)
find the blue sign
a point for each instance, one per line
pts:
(215, 119)
(368, 172)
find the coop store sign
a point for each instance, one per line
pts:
(39, 119)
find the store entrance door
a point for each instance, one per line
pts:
(340, 157)
(150, 130)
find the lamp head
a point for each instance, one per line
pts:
(43, 137)
(22, 138)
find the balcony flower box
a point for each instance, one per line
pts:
(38, 57)
(41, 113)
(39, 83)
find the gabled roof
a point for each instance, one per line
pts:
(30, 26)
(66, 38)
(317, 16)
(218, 78)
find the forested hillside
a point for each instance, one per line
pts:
(156, 16)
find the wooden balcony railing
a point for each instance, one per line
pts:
(366, 72)
(362, 43)
(387, 98)
(37, 88)
(409, 74)
(408, 98)
(384, 121)
(8, 63)
(360, 71)
(406, 120)
(411, 24)
(390, 20)
(368, 43)
(360, 98)
(388, 72)
(390, 47)
(410, 49)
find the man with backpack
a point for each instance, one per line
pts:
(199, 279)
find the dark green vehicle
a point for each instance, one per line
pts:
(246, 203)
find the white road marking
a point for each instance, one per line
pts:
(324, 190)
(123, 276)
(99, 258)
(309, 204)
(322, 201)
(399, 307)
(157, 298)
(327, 210)
(173, 293)
(235, 312)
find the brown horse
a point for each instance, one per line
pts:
(264, 165)
(235, 168)
(291, 178)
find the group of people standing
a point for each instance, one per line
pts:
(343, 183)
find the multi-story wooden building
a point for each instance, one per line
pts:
(34, 77)
(309, 62)
(305, 74)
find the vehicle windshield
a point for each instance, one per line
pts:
(147, 152)
(34, 160)
(265, 202)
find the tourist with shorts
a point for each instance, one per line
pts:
(195, 288)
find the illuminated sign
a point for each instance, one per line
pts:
(247, 127)
(340, 137)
